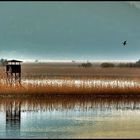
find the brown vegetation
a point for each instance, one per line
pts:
(65, 88)
(42, 71)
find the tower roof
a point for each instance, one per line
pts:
(14, 61)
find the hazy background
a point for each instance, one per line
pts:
(70, 30)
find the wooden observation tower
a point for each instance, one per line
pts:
(13, 71)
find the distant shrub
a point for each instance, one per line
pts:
(88, 64)
(137, 64)
(121, 65)
(36, 61)
(3, 62)
(105, 65)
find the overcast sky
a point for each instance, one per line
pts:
(70, 30)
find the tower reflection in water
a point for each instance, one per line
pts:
(13, 119)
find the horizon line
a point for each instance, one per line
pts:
(73, 60)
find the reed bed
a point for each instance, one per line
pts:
(58, 71)
(46, 70)
(71, 86)
(45, 79)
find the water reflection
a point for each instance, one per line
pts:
(57, 115)
(13, 113)
(61, 102)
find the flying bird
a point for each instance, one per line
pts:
(124, 43)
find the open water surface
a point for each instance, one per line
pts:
(70, 117)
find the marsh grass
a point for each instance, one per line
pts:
(98, 81)
(98, 88)
(72, 86)
(36, 71)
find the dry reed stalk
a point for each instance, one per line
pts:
(66, 88)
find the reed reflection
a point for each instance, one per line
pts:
(15, 105)
(61, 102)
(74, 111)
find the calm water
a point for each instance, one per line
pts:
(71, 117)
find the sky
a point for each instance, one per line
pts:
(62, 30)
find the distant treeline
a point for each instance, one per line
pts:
(109, 64)
(3, 62)
(130, 64)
